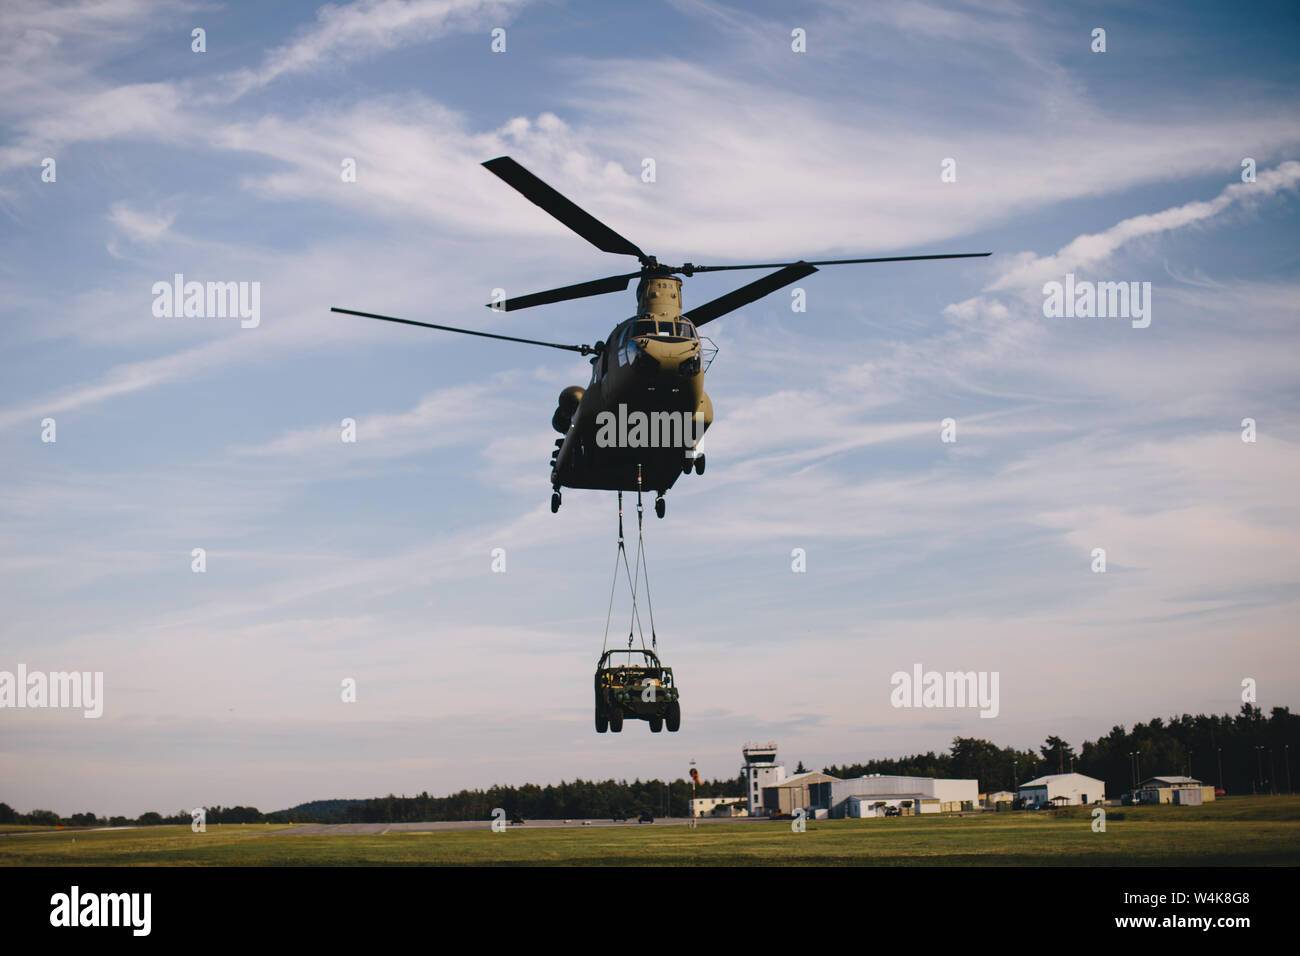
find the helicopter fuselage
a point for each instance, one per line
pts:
(645, 408)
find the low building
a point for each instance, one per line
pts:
(1062, 790)
(1180, 791)
(789, 795)
(873, 794)
(719, 807)
(991, 800)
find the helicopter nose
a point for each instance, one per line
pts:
(671, 356)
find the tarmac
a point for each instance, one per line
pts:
(351, 829)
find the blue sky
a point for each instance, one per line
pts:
(372, 560)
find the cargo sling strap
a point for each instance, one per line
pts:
(633, 577)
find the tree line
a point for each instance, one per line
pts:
(1243, 753)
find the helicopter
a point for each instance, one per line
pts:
(639, 420)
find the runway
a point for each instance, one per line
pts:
(351, 829)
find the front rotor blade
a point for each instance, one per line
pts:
(842, 262)
(584, 349)
(581, 290)
(749, 293)
(565, 210)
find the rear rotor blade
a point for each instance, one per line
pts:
(583, 349)
(568, 212)
(581, 290)
(749, 293)
(840, 262)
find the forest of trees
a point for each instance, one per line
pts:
(1246, 753)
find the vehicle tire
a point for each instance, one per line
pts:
(555, 502)
(656, 724)
(688, 466)
(699, 464)
(616, 721)
(602, 722)
(674, 717)
(659, 506)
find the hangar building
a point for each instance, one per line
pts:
(792, 793)
(871, 795)
(1062, 790)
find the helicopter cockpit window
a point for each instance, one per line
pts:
(686, 330)
(645, 327)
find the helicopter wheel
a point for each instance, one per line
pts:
(699, 463)
(555, 502)
(687, 466)
(659, 506)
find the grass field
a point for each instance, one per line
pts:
(1244, 831)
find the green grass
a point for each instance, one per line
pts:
(1244, 831)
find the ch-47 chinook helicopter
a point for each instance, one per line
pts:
(647, 376)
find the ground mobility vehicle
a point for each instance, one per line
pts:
(642, 688)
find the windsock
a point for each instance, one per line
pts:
(695, 776)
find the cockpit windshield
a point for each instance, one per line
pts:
(664, 328)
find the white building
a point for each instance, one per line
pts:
(1062, 790)
(872, 795)
(760, 770)
(718, 807)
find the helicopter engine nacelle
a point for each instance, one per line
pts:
(568, 404)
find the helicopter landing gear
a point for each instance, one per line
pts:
(699, 463)
(687, 466)
(659, 506)
(555, 501)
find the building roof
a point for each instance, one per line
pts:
(1171, 780)
(893, 796)
(802, 780)
(1052, 777)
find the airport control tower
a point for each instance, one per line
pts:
(760, 770)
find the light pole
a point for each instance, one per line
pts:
(1220, 768)
(693, 774)
(1132, 775)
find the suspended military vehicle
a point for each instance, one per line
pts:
(634, 684)
(645, 409)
